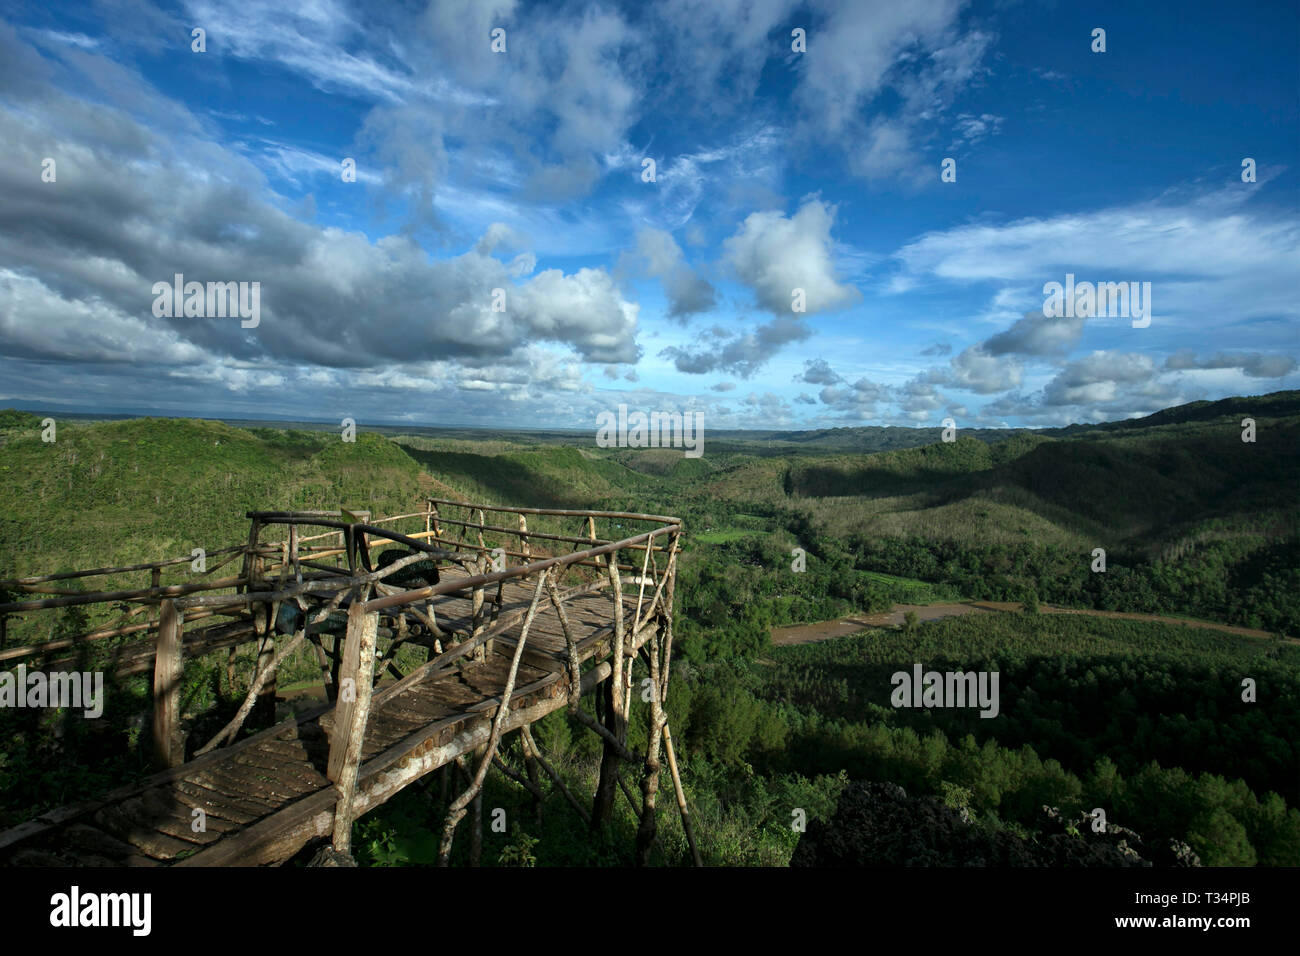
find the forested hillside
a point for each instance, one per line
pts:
(1146, 719)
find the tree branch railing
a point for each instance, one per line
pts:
(325, 564)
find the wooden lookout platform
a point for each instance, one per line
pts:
(510, 624)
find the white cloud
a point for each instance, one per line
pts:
(774, 255)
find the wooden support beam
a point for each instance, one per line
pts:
(323, 660)
(168, 742)
(264, 674)
(614, 713)
(267, 675)
(476, 828)
(532, 747)
(457, 809)
(681, 796)
(350, 717)
(645, 833)
(512, 774)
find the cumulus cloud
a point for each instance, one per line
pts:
(856, 401)
(122, 218)
(1254, 364)
(430, 76)
(1098, 378)
(774, 255)
(817, 371)
(919, 400)
(742, 353)
(979, 371)
(1036, 334)
(661, 258)
(771, 409)
(720, 47)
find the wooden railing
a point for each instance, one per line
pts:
(325, 566)
(296, 568)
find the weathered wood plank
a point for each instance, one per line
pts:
(168, 746)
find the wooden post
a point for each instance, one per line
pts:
(168, 744)
(476, 608)
(155, 581)
(350, 716)
(323, 660)
(476, 821)
(602, 803)
(614, 716)
(293, 552)
(534, 777)
(645, 832)
(252, 564)
(457, 808)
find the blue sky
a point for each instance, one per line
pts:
(522, 170)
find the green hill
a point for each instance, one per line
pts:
(123, 492)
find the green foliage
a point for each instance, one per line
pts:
(1143, 719)
(13, 419)
(519, 853)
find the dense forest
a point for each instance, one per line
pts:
(1144, 718)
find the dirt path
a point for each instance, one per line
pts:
(1136, 616)
(842, 627)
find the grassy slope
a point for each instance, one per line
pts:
(123, 492)
(1170, 478)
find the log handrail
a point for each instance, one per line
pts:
(564, 513)
(274, 573)
(481, 580)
